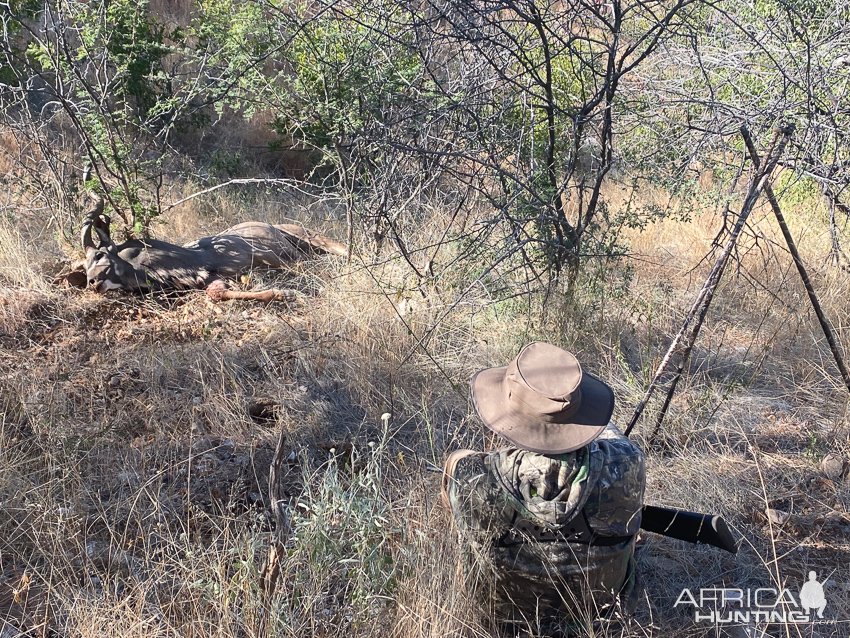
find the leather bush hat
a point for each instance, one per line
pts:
(543, 401)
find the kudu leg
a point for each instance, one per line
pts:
(218, 291)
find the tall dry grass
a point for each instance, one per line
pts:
(133, 475)
(19, 259)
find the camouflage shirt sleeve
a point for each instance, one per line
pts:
(615, 503)
(478, 504)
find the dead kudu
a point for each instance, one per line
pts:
(151, 265)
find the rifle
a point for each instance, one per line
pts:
(688, 526)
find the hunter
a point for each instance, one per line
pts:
(549, 521)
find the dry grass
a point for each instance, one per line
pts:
(133, 478)
(19, 260)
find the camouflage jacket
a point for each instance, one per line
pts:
(552, 533)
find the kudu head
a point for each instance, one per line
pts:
(105, 270)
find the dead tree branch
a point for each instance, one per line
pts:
(828, 332)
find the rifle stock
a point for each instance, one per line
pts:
(692, 527)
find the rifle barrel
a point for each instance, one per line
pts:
(692, 527)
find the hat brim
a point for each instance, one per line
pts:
(498, 414)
